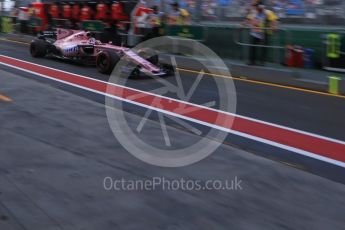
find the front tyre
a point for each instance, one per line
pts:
(135, 74)
(106, 61)
(38, 48)
(168, 69)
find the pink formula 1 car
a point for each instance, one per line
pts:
(81, 46)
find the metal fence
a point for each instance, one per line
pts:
(275, 47)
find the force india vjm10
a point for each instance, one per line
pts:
(80, 45)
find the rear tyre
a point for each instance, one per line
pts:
(38, 48)
(106, 61)
(150, 55)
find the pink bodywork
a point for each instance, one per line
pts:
(69, 42)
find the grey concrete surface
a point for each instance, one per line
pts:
(56, 148)
(301, 78)
(319, 114)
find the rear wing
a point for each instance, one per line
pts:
(47, 34)
(63, 33)
(57, 34)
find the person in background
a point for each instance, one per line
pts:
(86, 13)
(49, 17)
(31, 11)
(277, 6)
(23, 18)
(263, 23)
(271, 26)
(14, 13)
(75, 16)
(155, 22)
(178, 16)
(255, 20)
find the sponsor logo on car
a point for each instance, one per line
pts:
(70, 49)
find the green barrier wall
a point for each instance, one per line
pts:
(191, 32)
(92, 25)
(221, 39)
(35, 22)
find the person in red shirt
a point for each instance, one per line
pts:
(67, 11)
(86, 13)
(54, 10)
(102, 12)
(75, 16)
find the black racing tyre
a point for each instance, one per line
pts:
(135, 73)
(106, 61)
(38, 48)
(169, 69)
(149, 54)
